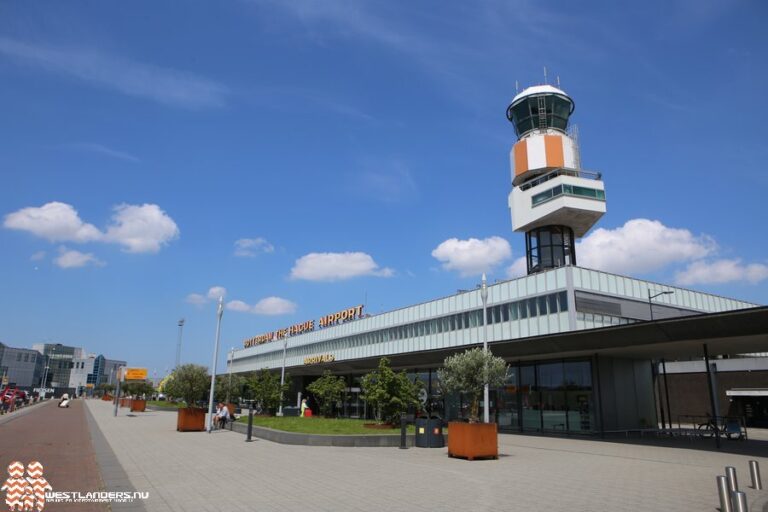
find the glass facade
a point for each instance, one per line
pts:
(525, 113)
(552, 396)
(568, 190)
(549, 247)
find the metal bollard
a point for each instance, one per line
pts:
(403, 431)
(725, 494)
(754, 473)
(739, 502)
(250, 423)
(733, 484)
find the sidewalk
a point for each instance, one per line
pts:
(220, 471)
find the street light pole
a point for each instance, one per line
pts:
(651, 297)
(282, 378)
(484, 297)
(231, 359)
(178, 345)
(219, 313)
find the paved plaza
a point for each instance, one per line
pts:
(86, 448)
(220, 471)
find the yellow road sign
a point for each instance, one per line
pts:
(135, 374)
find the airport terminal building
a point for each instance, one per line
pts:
(583, 345)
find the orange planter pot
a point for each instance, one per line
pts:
(473, 440)
(107, 398)
(138, 405)
(125, 402)
(190, 419)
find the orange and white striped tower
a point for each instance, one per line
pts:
(553, 201)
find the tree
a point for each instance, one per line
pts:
(469, 372)
(390, 393)
(137, 388)
(265, 388)
(229, 389)
(105, 388)
(189, 382)
(327, 390)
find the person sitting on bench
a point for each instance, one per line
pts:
(222, 415)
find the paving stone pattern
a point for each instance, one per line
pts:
(220, 471)
(59, 439)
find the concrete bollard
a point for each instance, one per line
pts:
(725, 494)
(754, 473)
(739, 502)
(733, 484)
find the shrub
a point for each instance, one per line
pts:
(390, 393)
(327, 390)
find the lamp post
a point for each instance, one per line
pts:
(651, 297)
(219, 313)
(178, 345)
(47, 370)
(282, 378)
(484, 297)
(231, 359)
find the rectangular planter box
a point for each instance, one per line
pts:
(190, 419)
(473, 440)
(138, 405)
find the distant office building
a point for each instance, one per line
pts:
(59, 363)
(87, 373)
(22, 367)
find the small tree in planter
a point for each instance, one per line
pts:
(138, 390)
(189, 382)
(390, 393)
(468, 373)
(327, 390)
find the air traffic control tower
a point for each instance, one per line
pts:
(553, 201)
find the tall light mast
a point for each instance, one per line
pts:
(553, 201)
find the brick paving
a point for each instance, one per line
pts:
(219, 471)
(60, 440)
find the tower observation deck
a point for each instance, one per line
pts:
(553, 201)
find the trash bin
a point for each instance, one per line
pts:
(429, 432)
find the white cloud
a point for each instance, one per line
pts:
(144, 228)
(68, 258)
(641, 245)
(250, 247)
(54, 221)
(473, 256)
(196, 299)
(38, 256)
(164, 85)
(721, 271)
(238, 305)
(336, 266)
(271, 306)
(518, 268)
(138, 228)
(274, 306)
(214, 292)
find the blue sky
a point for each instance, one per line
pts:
(355, 150)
